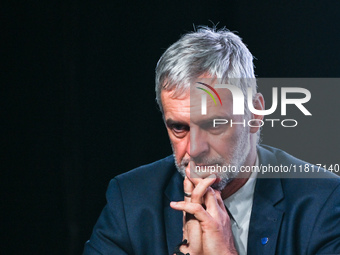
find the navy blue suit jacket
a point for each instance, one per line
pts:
(298, 216)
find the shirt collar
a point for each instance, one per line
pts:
(240, 203)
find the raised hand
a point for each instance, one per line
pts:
(206, 223)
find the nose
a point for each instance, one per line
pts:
(198, 144)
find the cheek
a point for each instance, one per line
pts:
(223, 144)
(179, 146)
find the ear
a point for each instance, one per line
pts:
(256, 122)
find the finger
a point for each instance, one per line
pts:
(191, 231)
(194, 236)
(192, 176)
(184, 229)
(220, 200)
(212, 206)
(201, 189)
(196, 209)
(188, 187)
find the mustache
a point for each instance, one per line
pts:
(202, 161)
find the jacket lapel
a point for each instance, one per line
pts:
(173, 219)
(265, 221)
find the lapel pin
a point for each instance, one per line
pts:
(264, 240)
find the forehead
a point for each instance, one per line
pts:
(190, 103)
(219, 102)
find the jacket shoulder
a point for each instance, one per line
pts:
(297, 170)
(147, 179)
(318, 185)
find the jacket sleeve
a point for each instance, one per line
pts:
(325, 237)
(110, 234)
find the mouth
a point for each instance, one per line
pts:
(206, 163)
(212, 166)
(203, 170)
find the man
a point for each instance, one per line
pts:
(155, 209)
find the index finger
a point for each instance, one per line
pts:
(192, 176)
(188, 187)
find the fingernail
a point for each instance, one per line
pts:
(173, 203)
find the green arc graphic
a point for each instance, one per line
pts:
(209, 94)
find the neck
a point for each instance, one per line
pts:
(242, 178)
(233, 186)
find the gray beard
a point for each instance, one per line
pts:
(236, 159)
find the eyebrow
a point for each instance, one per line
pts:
(169, 122)
(210, 119)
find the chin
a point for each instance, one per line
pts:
(220, 184)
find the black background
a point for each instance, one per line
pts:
(78, 108)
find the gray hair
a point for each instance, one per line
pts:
(219, 53)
